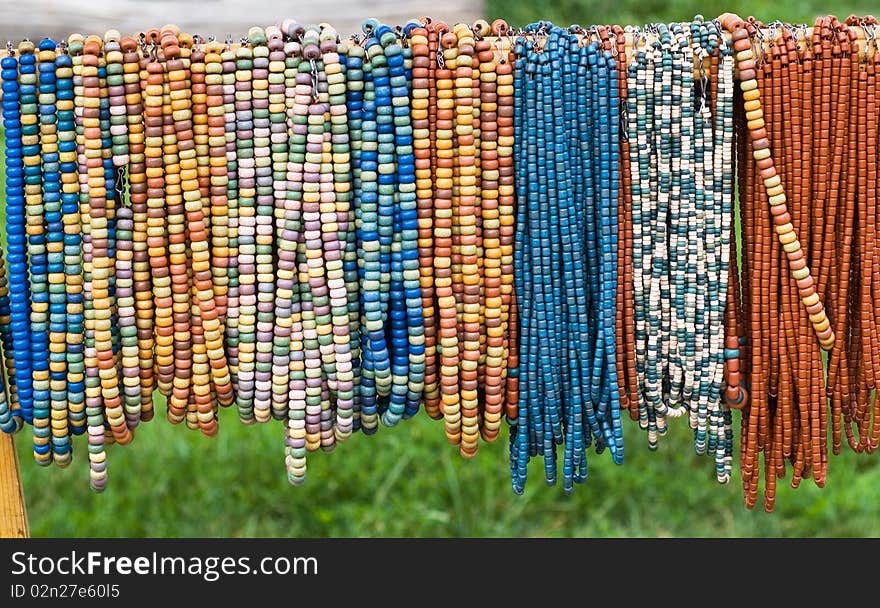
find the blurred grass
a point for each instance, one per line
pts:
(407, 481)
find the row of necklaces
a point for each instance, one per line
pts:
(313, 231)
(535, 225)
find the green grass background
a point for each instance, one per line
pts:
(408, 481)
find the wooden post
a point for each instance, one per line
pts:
(13, 516)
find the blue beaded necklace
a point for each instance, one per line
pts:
(565, 252)
(407, 323)
(10, 412)
(392, 346)
(17, 348)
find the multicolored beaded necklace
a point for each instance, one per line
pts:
(681, 197)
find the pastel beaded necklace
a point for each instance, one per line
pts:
(281, 327)
(124, 268)
(341, 291)
(231, 334)
(163, 336)
(213, 373)
(298, 96)
(174, 93)
(264, 233)
(247, 300)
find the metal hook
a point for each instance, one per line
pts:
(314, 65)
(500, 48)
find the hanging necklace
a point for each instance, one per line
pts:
(406, 322)
(353, 103)
(72, 317)
(16, 349)
(38, 340)
(297, 97)
(174, 91)
(341, 290)
(124, 267)
(247, 297)
(231, 334)
(264, 234)
(422, 86)
(542, 421)
(281, 343)
(137, 180)
(782, 423)
(447, 347)
(681, 203)
(153, 80)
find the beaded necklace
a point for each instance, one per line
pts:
(264, 233)
(349, 134)
(681, 202)
(72, 319)
(507, 215)
(554, 409)
(447, 346)
(38, 413)
(231, 335)
(124, 267)
(342, 288)
(464, 250)
(174, 92)
(247, 300)
(491, 307)
(421, 106)
(213, 375)
(782, 423)
(375, 364)
(284, 276)
(102, 262)
(298, 95)
(54, 254)
(218, 175)
(18, 350)
(155, 201)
